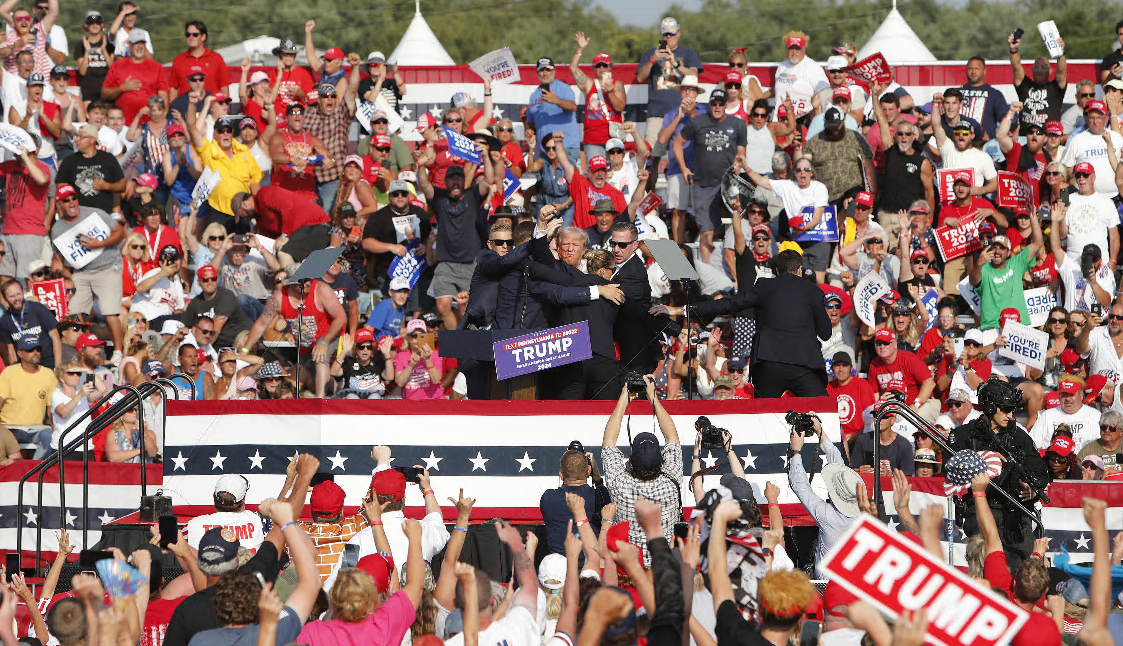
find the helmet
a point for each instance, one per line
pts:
(996, 393)
(733, 185)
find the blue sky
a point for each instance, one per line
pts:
(642, 13)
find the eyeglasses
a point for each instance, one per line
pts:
(759, 115)
(501, 242)
(1057, 321)
(192, 34)
(1081, 175)
(1086, 95)
(196, 79)
(622, 245)
(717, 102)
(453, 120)
(504, 129)
(760, 237)
(215, 238)
(400, 194)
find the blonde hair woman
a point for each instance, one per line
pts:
(137, 261)
(71, 398)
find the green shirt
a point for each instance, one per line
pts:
(1111, 460)
(1002, 288)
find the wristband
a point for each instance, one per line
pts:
(322, 341)
(773, 504)
(287, 525)
(426, 493)
(376, 522)
(1037, 555)
(459, 528)
(581, 522)
(979, 494)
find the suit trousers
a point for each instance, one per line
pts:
(771, 379)
(563, 382)
(602, 378)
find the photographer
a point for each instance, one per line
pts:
(575, 468)
(711, 438)
(651, 472)
(846, 493)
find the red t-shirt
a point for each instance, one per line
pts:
(1039, 629)
(932, 339)
(442, 163)
(152, 77)
(853, 398)
(744, 392)
(585, 195)
(284, 175)
(217, 73)
(296, 77)
(371, 169)
(162, 238)
(25, 201)
(1044, 272)
(961, 212)
(156, 619)
(514, 154)
(252, 108)
(283, 211)
(907, 368)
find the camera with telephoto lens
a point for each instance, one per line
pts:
(713, 437)
(576, 445)
(751, 516)
(801, 423)
(636, 384)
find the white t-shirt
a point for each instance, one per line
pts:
(626, 179)
(58, 398)
(1078, 292)
(1087, 147)
(801, 82)
(517, 628)
(1102, 356)
(1089, 219)
(972, 158)
(1085, 425)
(162, 299)
(121, 42)
(245, 524)
(796, 198)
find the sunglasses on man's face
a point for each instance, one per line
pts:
(1081, 175)
(621, 245)
(223, 129)
(1116, 317)
(717, 102)
(382, 149)
(760, 238)
(882, 344)
(1086, 95)
(1009, 410)
(920, 261)
(400, 194)
(737, 65)
(501, 243)
(833, 306)
(192, 34)
(208, 280)
(196, 79)
(759, 115)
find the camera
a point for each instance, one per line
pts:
(713, 438)
(751, 515)
(636, 384)
(576, 445)
(801, 423)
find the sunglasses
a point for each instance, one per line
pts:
(504, 129)
(400, 194)
(196, 79)
(621, 245)
(23, 18)
(1053, 172)
(207, 332)
(74, 373)
(803, 170)
(600, 65)
(271, 379)
(732, 84)
(382, 121)
(833, 306)
(222, 129)
(956, 404)
(208, 280)
(906, 133)
(69, 290)
(760, 237)
(1116, 317)
(736, 370)
(550, 149)
(1057, 321)
(136, 246)
(382, 149)
(874, 242)
(453, 120)
(759, 115)
(366, 346)
(214, 238)
(737, 65)
(296, 111)
(1058, 459)
(501, 243)
(192, 34)
(1106, 427)
(415, 335)
(882, 344)
(616, 152)
(974, 344)
(1081, 175)
(920, 261)
(1009, 410)
(1085, 95)
(717, 102)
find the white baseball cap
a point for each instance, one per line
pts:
(233, 484)
(170, 326)
(613, 144)
(835, 63)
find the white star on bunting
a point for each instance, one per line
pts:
(893, 524)
(1082, 542)
(432, 462)
(256, 459)
(526, 462)
(479, 462)
(710, 460)
(497, 112)
(406, 113)
(749, 459)
(31, 516)
(70, 518)
(436, 111)
(337, 461)
(105, 518)
(180, 461)
(217, 461)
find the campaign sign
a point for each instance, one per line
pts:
(958, 242)
(872, 68)
(536, 351)
(498, 66)
(409, 266)
(1024, 345)
(1014, 192)
(208, 179)
(510, 185)
(825, 231)
(649, 203)
(73, 252)
(931, 300)
(13, 138)
(967, 291)
(365, 111)
(945, 178)
(869, 289)
(461, 146)
(1050, 34)
(897, 575)
(1039, 302)
(52, 295)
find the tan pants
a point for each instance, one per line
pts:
(954, 271)
(888, 221)
(654, 125)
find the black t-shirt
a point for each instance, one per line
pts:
(380, 226)
(363, 378)
(458, 225)
(225, 304)
(731, 628)
(715, 145)
(182, 102)
(390, 90)
(34, 319)
(598, 240)
(197, 612)
(899, 453)
(1040, 102)
(749, 273)
(80, 172)
(97, 67)
(345, 288)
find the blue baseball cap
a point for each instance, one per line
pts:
(154, 369)
(218, 551)
(28, 342)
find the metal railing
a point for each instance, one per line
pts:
(903, 410)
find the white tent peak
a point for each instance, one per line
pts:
(419, 45)
(897, 42)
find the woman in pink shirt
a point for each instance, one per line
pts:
(419, 369)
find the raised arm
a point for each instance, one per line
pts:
(1005, 141)
(1016, 59)
(1095, 631)
(579, 77)
(527, 595)
(446, 584)
(612, 428)
(720, 586)
(352, 94)
(310, 48)
(303, 556)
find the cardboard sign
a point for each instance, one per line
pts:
(956, 243)
(872, 68)
(13, 138)
(1024, 345)
(461, 147)
(967, 291)
(869, 289)
(73, 252)
(510, 185)
(208, 179)
(825, 231)
(931, 300)
(542, 350)
(1050, 34)
(366, 110)
(945, 178)
(52, 295)
(498, 66)
(897, 575)
(1039, 302)
(1014, 192)
(649, 203)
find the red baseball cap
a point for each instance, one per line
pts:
(383, 141)
(1052, 400)
(734, 77)
(207, 271)
(364, 335)
(424, 121)
(379, 567)
(1099, 106)
(1092, 387)
(1069, 358)
(197, 69)
(64, 191)
(781, 112)
(87, 340)
(841, 92)
(1069, 387)
(919, 253)
(1084, 167)
(795, 41)
(389, 483)
(598, 163)
(1054, 128)
(327, 499)
(864, 198)
(987, 227)
(175, 129)
(617, 533)
(835, 596)
(219, 97)
(333, 54)
(962, 177)
(1010, 314)
(1062, 445)
(884, 334)
(896, 385)
(602, 58)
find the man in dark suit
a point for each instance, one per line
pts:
(636, 331)
(790, 322)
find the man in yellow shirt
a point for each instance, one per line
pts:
(235, 165)
(25, 391)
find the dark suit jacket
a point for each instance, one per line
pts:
(483, 290)
(636, 331)
(520, 298)
(601, 313)
(790, 319)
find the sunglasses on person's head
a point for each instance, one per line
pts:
(457, 120)
(400, 194)
(1081, 175)
(621, 245)
(196, 79)
(501, 242)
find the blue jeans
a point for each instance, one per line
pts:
(251, 306)
(326, 192)
(592, 150)
(39, 435)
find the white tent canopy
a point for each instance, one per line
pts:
(419, 45)
(897, 42)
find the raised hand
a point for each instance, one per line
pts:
(582, 40)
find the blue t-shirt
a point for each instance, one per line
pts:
(984, 104)
(687, 146)
(34, 319)
(385, 319)
(548, 117)
(288, 628)
(184, 183)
